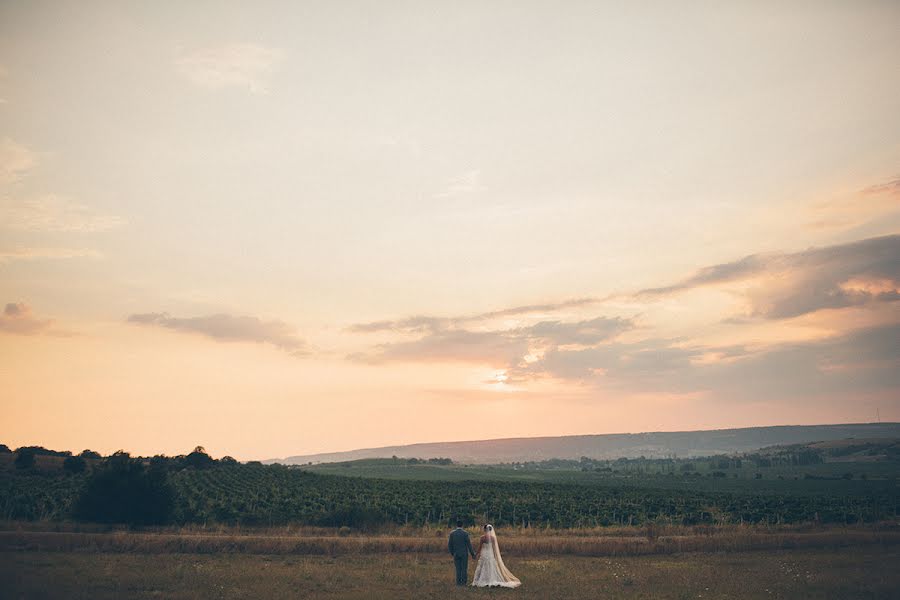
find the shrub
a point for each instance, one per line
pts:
(74, 464)
(199, 459)
(124, 491)
(41, 451)
(25, 458)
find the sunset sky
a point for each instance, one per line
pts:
(276, 228)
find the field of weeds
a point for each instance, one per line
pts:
(515, 542)
(833, 574)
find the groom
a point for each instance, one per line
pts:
(460, 547)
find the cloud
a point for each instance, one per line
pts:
(595, 353)
(46, 253)
(17, 318)
(443, 342)
(888, 187)
(15, 161)
(794, 284)
(590, 332)
(466, 183)
(492, 347)
(414, 324)
(421, 323)
(534, 308)
(861, 361)
(55, 214)
(870, 207)
(230, 328)
(247, 66)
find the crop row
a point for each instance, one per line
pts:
(273, 495)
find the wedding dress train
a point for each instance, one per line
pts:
(490, 570)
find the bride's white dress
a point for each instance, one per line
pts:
(490, 570)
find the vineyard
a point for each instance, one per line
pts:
(274, 495)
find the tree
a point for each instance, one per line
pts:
(122, 490)
(199, 459)
(90, 454)
(74, 464)
(4, 449)
(25, 458)
(228, 460)
(41, 451)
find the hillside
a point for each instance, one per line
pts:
(610, 446)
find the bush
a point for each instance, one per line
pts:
(74, 464)
(41, 451)
(124, 491)
(25, 458)
(199, 459)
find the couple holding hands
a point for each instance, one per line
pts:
(490, 570)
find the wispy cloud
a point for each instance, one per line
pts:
(15, 161)
(46, 253)
(870, 205)
(230, 328)
(53, 213)
(465, 183)
(858, 361)
(888, 187)
(597, 352)
(487, 347)
(414, 324)
(589, 332)
(18, 319)
(793, 284)
(421, 323)
(503, 348)
(248, 66)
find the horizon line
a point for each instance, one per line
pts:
(574, 435)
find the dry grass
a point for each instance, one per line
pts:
(319, 542)
(866, 572)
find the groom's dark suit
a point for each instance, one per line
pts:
(460, 547)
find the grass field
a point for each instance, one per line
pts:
(254, 531)
(857, 573)
(778, 479)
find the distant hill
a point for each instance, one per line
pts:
(684, 444)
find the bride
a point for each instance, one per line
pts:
(490, 570)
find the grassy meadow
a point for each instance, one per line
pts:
(830, 574)
(790, 522)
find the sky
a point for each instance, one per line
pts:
(278, 228)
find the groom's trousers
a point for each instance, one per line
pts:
(462, 568)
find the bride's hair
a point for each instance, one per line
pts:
(488, 527)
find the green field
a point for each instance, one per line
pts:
(273, 495)
(856, 482)
(823, 477)
(787, 523)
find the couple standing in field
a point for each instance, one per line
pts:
(490, 570)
